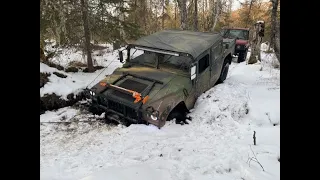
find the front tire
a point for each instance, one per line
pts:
(242, 56)
(179, 116)
(95, 110)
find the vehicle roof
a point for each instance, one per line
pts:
(240, 28)
(183, 41)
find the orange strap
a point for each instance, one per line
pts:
(135, 94)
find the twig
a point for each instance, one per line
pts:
(254, 159)
(254, 138)
(268, 115)
(68, 122)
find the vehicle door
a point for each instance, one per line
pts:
(203, 73)
(217, 51)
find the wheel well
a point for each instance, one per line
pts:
(181, 107)
(228, 58)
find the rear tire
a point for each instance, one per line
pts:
(242, 56)
(224, 72)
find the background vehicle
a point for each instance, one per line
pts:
(242, 41)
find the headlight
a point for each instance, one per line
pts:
(152, 113)
(153, 117)
(92, 93)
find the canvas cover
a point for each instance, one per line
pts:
(193, 43)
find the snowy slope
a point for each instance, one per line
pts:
(215, 145)
(76, 82)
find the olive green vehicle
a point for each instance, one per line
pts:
(162, 77)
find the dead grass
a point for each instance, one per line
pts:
(76, 64)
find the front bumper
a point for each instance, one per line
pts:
(240, 48)
(121, 113)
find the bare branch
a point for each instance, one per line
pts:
(254, 137)
(254, 159)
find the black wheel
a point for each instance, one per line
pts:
(242, 56)
(179, 116)
(224, 72)
(94, 110)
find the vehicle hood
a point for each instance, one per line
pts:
(171, 82)
(241, 42)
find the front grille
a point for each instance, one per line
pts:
(132, 85)
(240, 47)
(124, 110)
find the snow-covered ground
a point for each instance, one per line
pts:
(217, 144)
(76, 82)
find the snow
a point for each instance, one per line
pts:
(56, 116)
(215, 145)
(76, 82)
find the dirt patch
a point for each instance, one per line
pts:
(54, 65)
(72, 69)
(95, 68)
(53, 101)
(60, 75)
(98, 67)
(76, 64)
(44, 78)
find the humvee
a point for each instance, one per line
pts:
(242, 41)
(163, 80)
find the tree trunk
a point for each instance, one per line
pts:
(156, 19)
(163, 5)
(248, 17)
(206, 20)
(175, 14)
(144, 17)
(217, 10)
(84, 5)
(195, 27)
(277, 42)
(275, 31)
(203, 21)
(135, 14)
(183, 13)
(255, 45)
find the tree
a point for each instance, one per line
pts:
(217, 10)
(183, 14)
(248, 17)
(275, 31)
(256, 43)
(195, 15)
(84, 9)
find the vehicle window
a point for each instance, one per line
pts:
(165, 61)
(203, 63)
(146, 58)
(177, 62)
(234, 33)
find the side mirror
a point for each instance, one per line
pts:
(193, 72)
(120, 56)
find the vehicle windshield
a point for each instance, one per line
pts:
(237, 33)
(163, 61)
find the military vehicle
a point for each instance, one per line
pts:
(242, 41)
(162, 82)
